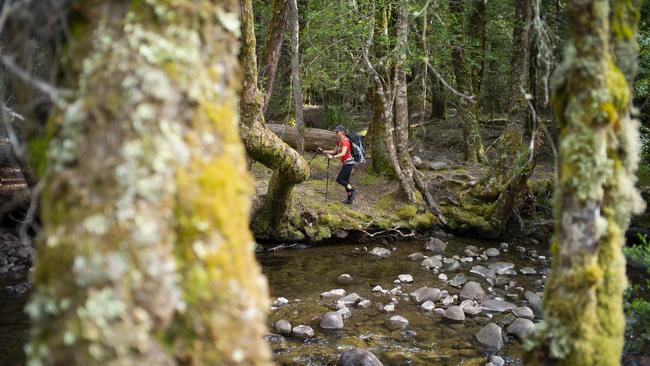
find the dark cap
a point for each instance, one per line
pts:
(340, 128)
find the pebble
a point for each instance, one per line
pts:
(283, 326)
(527, 270)
(523, 312)
(280, 301)
(435, 245)
(497, 305)
(458, 280)
(448, 300)
(345, 313)
(389, 308)
(492, 252)
(520, 327)
(507, 319)
(380, 252)
(339, 292)
(345, 279)
(503, 245)
(501, 267)
(520, 249)
(350, 300)
(431, 263)
(276, 339)
(303, 331)
(472, 291)
(428, 305)
(455, 314)
(490, 336)
(397, 322)
(497, 361)
(467, 259)
(332, 320)
(377, 289)
(364, 304)
(483, 272)
(359, 357)
(426, 293)
(416, 257)
(442, 276)
(405, 278)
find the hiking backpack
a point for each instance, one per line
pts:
(357, 148)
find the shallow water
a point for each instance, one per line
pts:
(303, 275)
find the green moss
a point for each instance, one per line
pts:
(407, 212)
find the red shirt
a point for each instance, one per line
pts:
(348, 153)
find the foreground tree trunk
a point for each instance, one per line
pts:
(146, 257)
(583, 313)
(472, 141)
(273, 218)
(381, 163)
(271, 55)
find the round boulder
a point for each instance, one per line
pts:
(358, 357)
(331, 320)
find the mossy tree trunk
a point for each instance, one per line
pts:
(273, 219)
(595, 197)
(380, 160)
(146, 257)
(271, 52)
(467, 111)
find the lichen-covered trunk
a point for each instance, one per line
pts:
(595, 196)
(467, 112)
(273, 218)
(271, 52)
(517, 83)
(401, 115)
(145, 256)
(295, 76)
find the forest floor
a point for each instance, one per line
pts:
(379, 209)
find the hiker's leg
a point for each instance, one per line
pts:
(344, 176)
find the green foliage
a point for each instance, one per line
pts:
(644, 164)
(407, 212)
(637, 307)
(336, 115)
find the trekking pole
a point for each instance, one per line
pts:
(312, 158)
(327, 182)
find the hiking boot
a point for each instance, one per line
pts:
(347, 201)
(353, 195)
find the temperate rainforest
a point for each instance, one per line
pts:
(324, 182)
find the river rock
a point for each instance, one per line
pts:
(397, 322)
(345, 312)
(345, 279)
(472, 291)
(520, 327)
(364, 304)
(497, 361)
(471, 251)
(339, 292)
(490, 336)
(497, 305)
(470, 307)
(331, 320)
(492, 252)
(389, 308)
(377, 289)
(428, 305)
(283, 326)
(484, 272)
(458, 280)
(455, 314)
(426, 293)
(276, 339)
(451, 264)
(535, 304)
(380, 252)
(442, 277)
(523, 312)
(350, 300)
(431, 263)
(435, 245)
(503, 246)
(448, 300)
(502, 267)
(303, 331)
(507, 320)
(528, 271)
(405, 278)
(467, 260)
(280, 301)
(416, 257)
(359, 357)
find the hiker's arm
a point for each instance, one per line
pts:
(344, 150)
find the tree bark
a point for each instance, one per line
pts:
(271, 55)
(381, 163)
(472, 141)
(290, 168)
(295, 76)
(145, 256)
(599, 146)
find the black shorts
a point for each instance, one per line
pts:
(344, 175)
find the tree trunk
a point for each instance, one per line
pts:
(295, 76)
(290, 168)
(146, 257)
(583, 313)
(314, 137)
(518, 82)
(380, 161)
(271, 55)
(472, 141)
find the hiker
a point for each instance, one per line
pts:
(343, 150)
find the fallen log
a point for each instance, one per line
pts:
(314, 137)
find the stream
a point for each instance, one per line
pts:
(302, 275)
